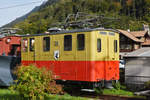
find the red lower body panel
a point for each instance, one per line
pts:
(91, 71)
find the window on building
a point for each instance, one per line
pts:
(46, 43)
(80, 41)
(67, 42)
(98, 45)
(32, 44)
(25, 45)
(115, 46)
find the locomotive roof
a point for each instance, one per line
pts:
(72, 31)
(3, 36)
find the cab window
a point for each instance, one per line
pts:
(115, 46)
(111, 33)
(67, 42)
(80, 41)
(103, 33)
(32, 44)
(98, 45)
(46, 44)
(25, 45)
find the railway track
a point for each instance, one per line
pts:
(111, 97)
(93, 96)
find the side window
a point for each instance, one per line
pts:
(46, 43)
(115, 46)
(98, 45)
(80, 41)
(67, 42)
(32, 44)
(25, 45)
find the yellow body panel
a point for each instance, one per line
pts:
(88, 54)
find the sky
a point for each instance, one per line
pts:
(12, 9)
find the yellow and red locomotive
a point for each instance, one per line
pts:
(87, 55)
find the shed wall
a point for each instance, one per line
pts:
(137, 70)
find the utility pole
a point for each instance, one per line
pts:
(134, 10)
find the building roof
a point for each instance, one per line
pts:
(142, 52)
(139, 33)
(129, 35)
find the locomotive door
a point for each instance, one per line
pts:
(68, 69)
(110, 54)
(81, 58)
(102, 52)
(56, 54)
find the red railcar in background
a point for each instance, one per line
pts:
(9, 57)
(10, 46)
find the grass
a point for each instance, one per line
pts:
(121, 92)
(117, 92)
(65, 97)
(6, 94)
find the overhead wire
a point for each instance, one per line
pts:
(20, 5)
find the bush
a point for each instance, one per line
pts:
(147, 85)
(35, 82)
(116, 85)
